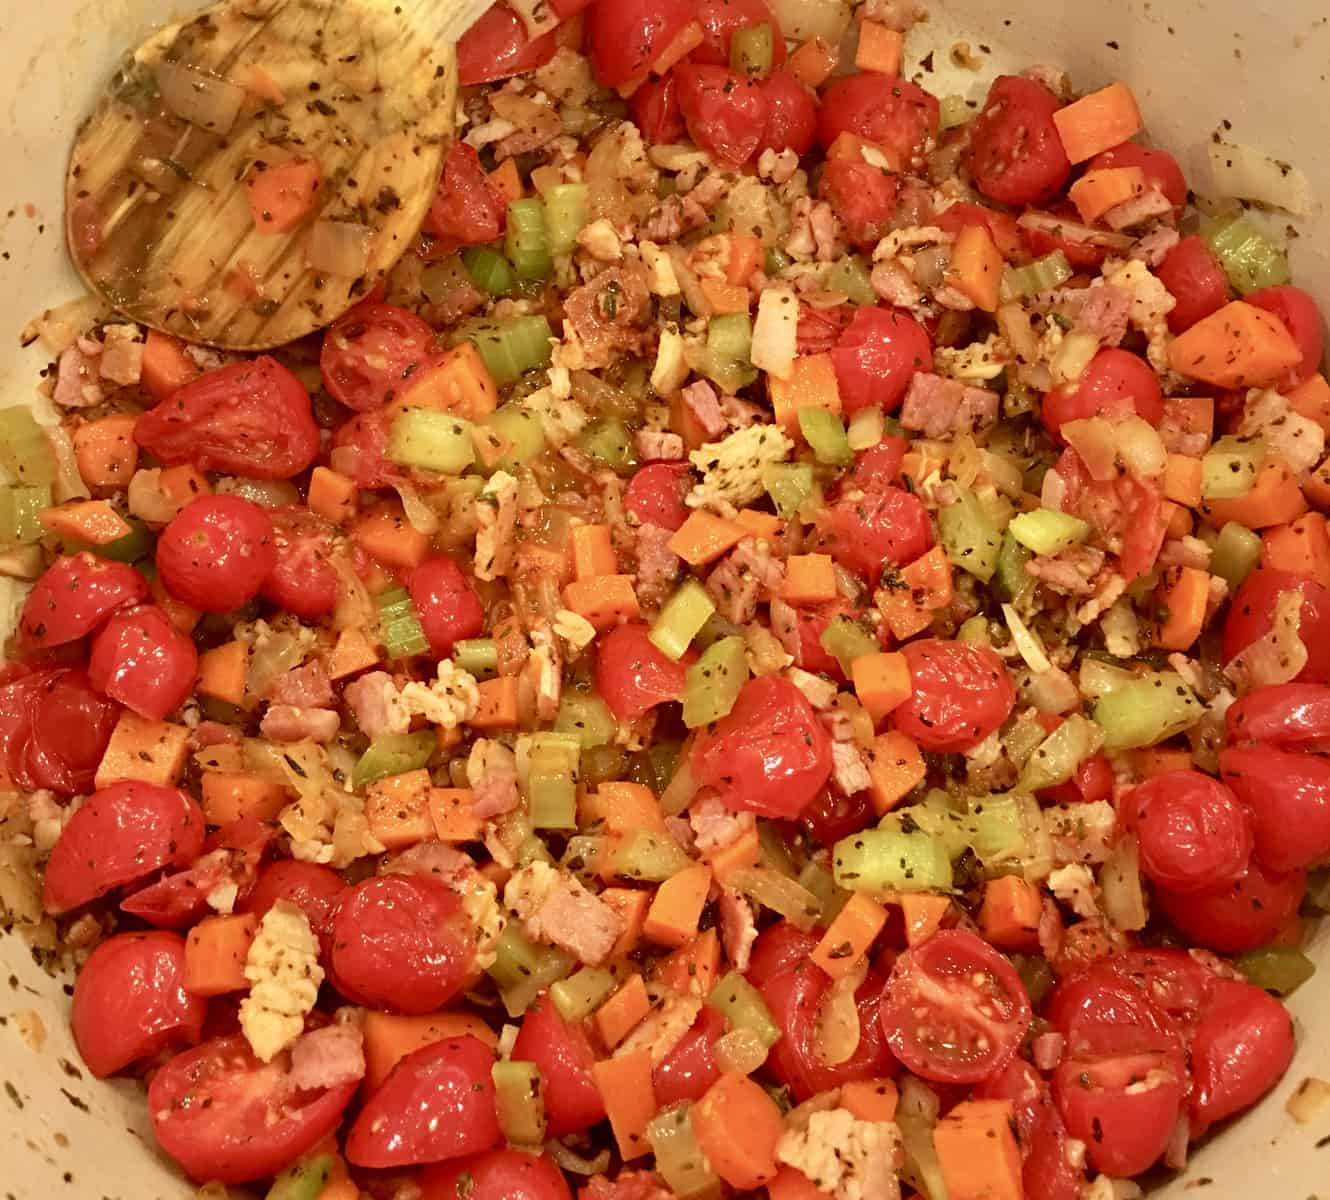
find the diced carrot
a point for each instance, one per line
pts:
(745, 257)
(106, 452)
(813, 62)
(93, 521)
(1182, 480)
(1311, 399)
(593, 551)
(215, 953)
(630, 1099)
(692, 968)
(744, 851)
(618, 1016)
(497, 708)
(895, 767)
(397, 809)
(870, 1099)
(456, 382)
(181, 616)
(622, 807)
(737, 1126)
(447, 738)
(1154, 760)
(849, 936)
(882, 682)
(450, 811)
(353, 651)
(1095, 192)
(758, 524)
(725, 297)
(977, 1151)
(976, 267)
(928, 586)
(385, 534)
(182, 485)
(1317, 486)
(923, 915)
(680, 46)
(1098, 122)
(1185, 603)
(789, 1183)
(603, 599)
(880, 48)
(223, 671)
(144, 750)
(535, 560)
(812, 384)
(704, 537)
(282, 195)
(1274, 499)
(809, 579)
(631, 904)
(685, 423)
(1302, 547)
(677, 906)
(506, 180)
(390, 1038)
(166, 368)
(1009, 915)
(919, 464)
(231, 795)
(332, 495)
(1239, 346)
(1177, 519)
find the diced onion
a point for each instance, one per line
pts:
(1053, 691)
(1073, 355)
(60, 327)
(779, 893)
(1073, 232)
(421, 517)
(1278, 655)
(266, 493)
(866, 428)
(1029, 646)
(800, 20)
(1141, 447)
(575, 1164)
(775, 332)
(1120, 887)
(339, 248)
(1308, 1099)
(68, 483)
(836, 1033)
(1248, 174)
(203, 100)
(1094, 440)
(739, 1052)
(682, 787)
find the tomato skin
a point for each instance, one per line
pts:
(564, 1055)
(224, 1115)
(655, 493)
(369, 352)
(894, 114)
(885, 524)
(1002, 227)
(1116, 384)
(1177, 984)
(360, 450)
(249, 418)
(1287, 793)
(876, 357)
(778, 948)
(655, 111)
(1194, 278)
(961, 694)
(1047, 1171)
(624, 39)
(400, 943)
(1194, 835)
(498, 46)
(721, 19)
(725, 112)
(791, 114)
(1016, 155)
(1093, 781)
(496, 1175)
(130, 1002)
(934, 997)
(142, 661)
(303, 580)
(74, 596)
(1251, 611)
(1240, 917)
(1159, 166)
(863, 197)
(688, 1070)
(1292, 716)
(467, 211)
(447, 605)
(1301, 316)
(400, 1124)
(53, 730)
(217, 553)
(633, 676)
(769, 755)
(812, 622)
(312, 888)
(1127, 506)
(832, 816)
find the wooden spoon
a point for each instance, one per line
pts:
(156, 210)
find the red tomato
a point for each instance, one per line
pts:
(778, 948)
(224, 1115)
(360, 450)
(655, 493)
(1093, 781)
(632, 676)
(217, 553)
(1302, 318)
(369, 352)
(1047, 1171)
(811, 624)
(303, 581)
(74, 596)
(495, 1175)
(564, 1055)
(121, 834)
(249, 418)
(1159, 166)
(312, 888)
(894, 114)
(1194, 278)
(467, 210)
(1194, 835)
(1241, 1048)
(140, 659)
(1116, 384)
(1016, 155)
(880, 526)
(954, 1010)
(1287, 793)
(876, 357)
(447, 605)
(726, 113)
(1178, 984)
(1126, 507)
(770, 755)
(401, 943)
(498, 46)
(720, 20)
(791, 114)
(863, 197)
(1085, 255)
(832, 816)
(655, 111)
(688, 1070)
(1241, 916)
(625, 38)
(53, 730)
(437, 1104)
(881, 463)
(1293, 716)
(1251, 611)
(961, 694)
(130, 1002)
(1002, 227)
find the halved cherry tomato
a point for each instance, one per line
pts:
(312, 888)
(832, 816)
(74, 596)
(467, 211)
(1194, 835)
(217, 553)
(655, 493)
(369, 352)
(1159, 166)
(250, 418)
(223, 1115)
(769, 755)
(892, 113)
(303, 580)
(1047, 1171)
(1001, 226)
(140, 659)
(688, 1070)
(360, 450)
(876, 357)
(1292, 716)
(53, 730)
(437, 1104)
(655, 110)
(1194, 278)
(1287, 793)
(130, 1002)
(633, 676)
(1016, 155)
(1240, 917)
(1251, 612)
(961, 694)
(282, 195)
(1126, 507)
(954, 1010)
(726, 113)
(564, 1055)
(1115, 384)
(498, 46)
(1301, 316)
(447, 605)
(496, 1175)
(402, 943)
(863, 197)
(868, 529)
(1092, 781)
(791, 114)
(625, 38)
(721, 19)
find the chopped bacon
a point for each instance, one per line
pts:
(1153, 247)
(495, 794)
(214, 733)
(576, 920)
(820, 328)
(653, 445)
(369, 699)
(657, 565)
(327, 1057)
(700, 399)
(1072, 572)
(1138, 210)
(739, 414)
(714, 826)
(121, 361)
(287, 723)
(735, 591)
(445, 863)
(605, 314)
(76, 383)
(935, 406)
(305, 687)
(1046, 1050)
(1104, 313)
(626, 1185)
(738, 929)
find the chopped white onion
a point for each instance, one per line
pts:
(1141, 447)
(739, 1052)
(1248, 174)
(421, 517)
(800, 20)
(1120, 887)
(1094, 440)
(1073, 355)
(1308, 1099)
(203, 100)
(266, 493)
(1030, 647)
(1074, 232)
(775, 332)
(836, 1033)
(1278, 655)
(339, 248)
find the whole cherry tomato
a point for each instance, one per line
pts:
(1047, 1171)
(688, 1070)
(624, 39)
(303, 581)
(498, 45)
(564, 1055)
(791, 114)
(632, 675)
(655, 111)
(892, 113)
(1194, 835)
(495, 1175)
(873, 524)
(863, 197)
(1301, 316)
(721, 19)
(1194, 278)
(467, 211)
(140, 659)
(725, 112)
(1287, 793)
(217, 553)
(74, 595)
(1292, 716)
(1159, 166)
(368, 353)
(961, 694)
(655, 493)
(1178, 983)
(1016, 155)
(1116, 384)
(876, 357)
(447, 605)
(1251, 613)
(1240, 917)
(54, 729)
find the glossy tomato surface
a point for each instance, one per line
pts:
(370, 352)
(632, 675)
(873, 524)
(496, 1175)
(689, 1069)
(1195, 280)
(303, 580)
(1251, 612)
(725, 112)
(655, 494)
(74, 595)
(1287, 793)
(446, 604)
(1049, 1170)
(142, 661)
(863, 197)
(54, 728)
(312, 888)
(877, 355)
(498, 45)
(720, 19)
(564, 1054)
(467, 210)
(1241, 916)
(655, 111)
(791, 115)
(892, 113)
(1193, 834)
(961, 694)
(1116, 384)
(1016, 155)
(624, 39)
(1292, 716)
(1160, 168)
(217, 553)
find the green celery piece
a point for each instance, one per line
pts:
(1236, 553)
(851, 276)
(998, 831)
(1010, 579)
(1278, 969)
(1249, 258)
(435, 441)
(681, 618)
(586, 717)
(303, 1180)
(403, 636)
(776, 261)
(526, 240)
(884, 861)
(565, 215)
(608, 441)
(508, 348)
(603, 763)
(518, 1102)
(1046, 531)
(476, 656)
(935, 816)
(19, 506)
(974, 631)
(392, 754)
(648, 856)
(714, 682)
(825, 434)
(751, 50)
(25, 451)
(817, 881)
(1042, 275)
(845, 640)
(489, 270)
(1146, 711)
(552, 774)
(788, 485)
(522, 970)
(730, 337)
(1230, 466)
(1058, 756)
(742, 1006)
(524, 432)
(970, 539)
(582, 854)
(584, 991)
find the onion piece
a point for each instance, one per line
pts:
(800, 20)
(683, 784)
(1073, 355)
(739, 1052)
(779, 893)
(1120, 887)
(1074, 232)
(1094, 440)
(1141, 447)
(419, 515)
(837, 1032)
(1247, 174)
(538, 16)
(775, 332)
(1029, 646)
(203, 100)
(1278, 655)
(339, 248)
(266, 493)
(575, 1164)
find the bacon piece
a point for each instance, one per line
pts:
(738, 929)
(327, 1057)
(287, 723)
(700, 399)
(657, 565)
(304, 687)
(936, 407)
(1104, 313)
(369, 698)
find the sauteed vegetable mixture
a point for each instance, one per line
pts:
(785, 649)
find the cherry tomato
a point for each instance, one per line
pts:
(1126, 507)
(880, 525)
(881, 463)
(1194, 835)
(961, 694)
(312, 888)
(832, 816)
(1302, 318)
(688, 1070)
(1287, 793)
(217, 553)
(1194, 278)
(1084, 255)
(1251, 612)
(1116, 384)
(894, 114)
(1159, 166)
(74, 596)
(1240, 917)
(1292, 716)
(121, 834)
(778, 948)
(437, 1104)
(249, 418)
(498, 46)
(401, 943)
(303, 580)
(625, 38)
(360, 450)
(564, 1055)
(1002, 228)
(632, 676)
(54, 729)
(1092, 781)
(812, 623)
(495, 1175)
(876, 357)
(863, 197)
(791, 114)
(726, 113)
(1177, 983)
(655, 493)
(223, 1115)
(1016, 155)
(954, 1010)
(467, 210)
(140, 659)
(721, 19)
(369, 352)
(655, 111)
(1047, 1170)
(447, 605)
(770, 755)
(1241, 1048)
(130, 1002)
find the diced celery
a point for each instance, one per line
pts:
(817, 881)
(825, 433)
(679, 1158)
(971, 540)
(436, 441)
(1236, 553)
(714, 682)
(1249, 258)
(850, 275)
(509, 348)
(751, 50)
(730, 337)
(303, 1180)
(518, 1102)
(476, 656)
(974, 632)
(583, 855)
(953, 111)
(25, 451)
(681, 617)
(522, 430)
(845, 640)
(1046, 531)
(713, 629)
(565, 215)
(1229, 467)
(399, 625)
(392, 754)
(602, 763)
(1010, 578)
(917, 1119)
(728, 374)
(608, 441)
(647, 855)
(998, 829)
(776, 261)
(552, 765)
(936, 816)
(1022, 737)
(788, 485)
(742, 1006)
(578, 996)
(1042, 275)
(1146, 711)
(885, 861)
(526, 240)
(1278, 969)
(587, 717)
(1057, 757)
(19, 507)
(489, 270)
(522, 970)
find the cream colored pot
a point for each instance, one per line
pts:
(1196, 66)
